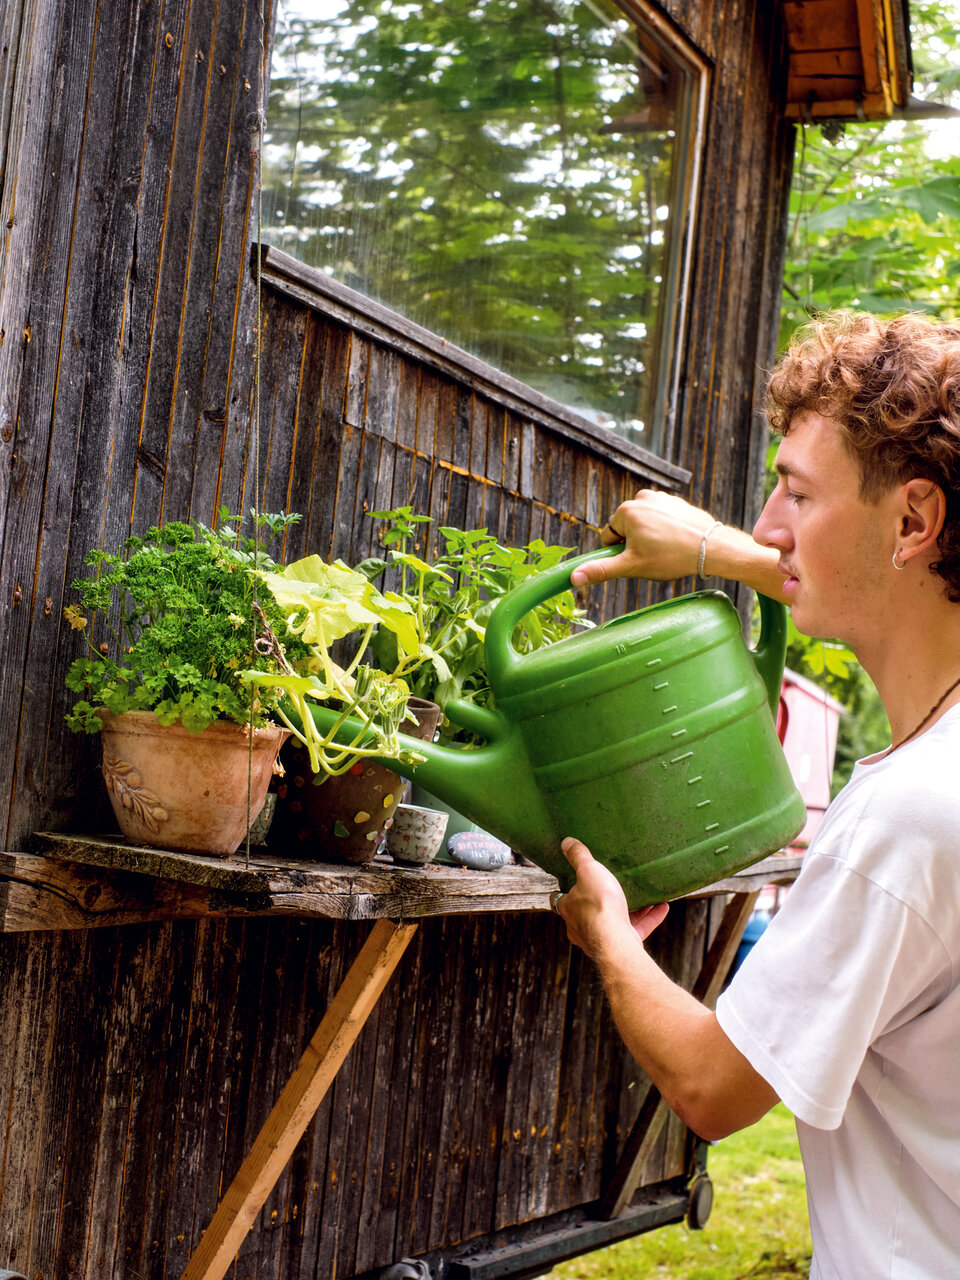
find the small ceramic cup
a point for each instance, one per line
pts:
(417, 834)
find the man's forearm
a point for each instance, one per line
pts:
(732, 553)
(679, 1043)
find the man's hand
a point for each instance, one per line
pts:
(661, 535)
(595, 909)
(676, 1040)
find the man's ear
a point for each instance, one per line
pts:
(923, 511)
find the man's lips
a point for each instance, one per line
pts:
(789, 575)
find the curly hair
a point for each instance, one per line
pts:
(893, 389)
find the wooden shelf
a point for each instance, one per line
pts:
(81, 882)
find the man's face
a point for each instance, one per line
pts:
(834, 548)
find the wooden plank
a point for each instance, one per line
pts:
(229, 174)
(282, 377)
(311, 287)
(551, 949)
(820, 24)
(330, 890)
(723, 948)
(462, 427)
(296, 1105)
(311, 1237)
(197, 330)
(452, 1134)
(320, 519)
(354, 408)
(39, 893)
(853, 107)
(418, 1151)
(491, 1059)
(382, 1208)
(347, 473)
(825, 64)
(445, 444)
(383, 391)
(33, 1048)
(282, 1032)
(306, 453)
(368, 470)
(404, 465)
(408, 395)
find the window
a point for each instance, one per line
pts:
(515, 175)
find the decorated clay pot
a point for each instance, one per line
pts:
(173, 789)
(344, 818)
(417, 834)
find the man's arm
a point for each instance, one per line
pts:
(676, 1040)
(663, 534)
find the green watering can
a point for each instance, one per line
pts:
(650, 738)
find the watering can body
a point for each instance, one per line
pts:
(650, 738)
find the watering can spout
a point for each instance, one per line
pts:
(493, 785)
(770, 652)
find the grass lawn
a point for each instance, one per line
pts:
(758, 1227)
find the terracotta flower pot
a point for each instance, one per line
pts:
(172, 789)
(346, 818)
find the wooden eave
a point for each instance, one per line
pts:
(848, 59)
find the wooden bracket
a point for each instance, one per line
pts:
(653, 1112)
(297, 1104)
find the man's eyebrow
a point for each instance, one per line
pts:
(785, 470)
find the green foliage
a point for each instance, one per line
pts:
(322, 603)
(873, 212)
(460, 162)
(452, 599)
(179, 607)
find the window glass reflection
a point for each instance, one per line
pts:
(506, 173)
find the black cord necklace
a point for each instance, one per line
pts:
(933, 710)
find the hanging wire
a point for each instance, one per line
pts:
(259, 128)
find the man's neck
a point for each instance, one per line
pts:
(915, 662)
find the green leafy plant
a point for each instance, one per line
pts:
(322, 603)
(451, 598)
(182, 620)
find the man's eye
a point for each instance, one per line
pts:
(795, 498)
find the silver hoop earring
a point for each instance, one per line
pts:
(895, 565)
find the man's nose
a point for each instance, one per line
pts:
(769, 530)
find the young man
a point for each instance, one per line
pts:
(848, 1009)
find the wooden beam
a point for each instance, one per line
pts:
(871, 107)
(297, 1104)
(873, 46)
(653, 1113)
(270, 884)
(38, 893)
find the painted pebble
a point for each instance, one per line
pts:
(479, 851)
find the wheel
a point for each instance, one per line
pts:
(700, 1202)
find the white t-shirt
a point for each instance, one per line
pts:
(849, 1006)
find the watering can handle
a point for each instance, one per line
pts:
(502, 658)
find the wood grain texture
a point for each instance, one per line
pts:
(488, 1090)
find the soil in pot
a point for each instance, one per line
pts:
(345, 818)
(173, 789)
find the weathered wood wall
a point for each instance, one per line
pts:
(127, 141)
(126, 317)
(138, 1064)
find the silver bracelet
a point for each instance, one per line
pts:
(703, 547)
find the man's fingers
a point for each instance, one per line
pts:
(596, 571)
(575, 852)
(647, 919)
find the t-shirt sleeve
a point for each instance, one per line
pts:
(842, 962)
